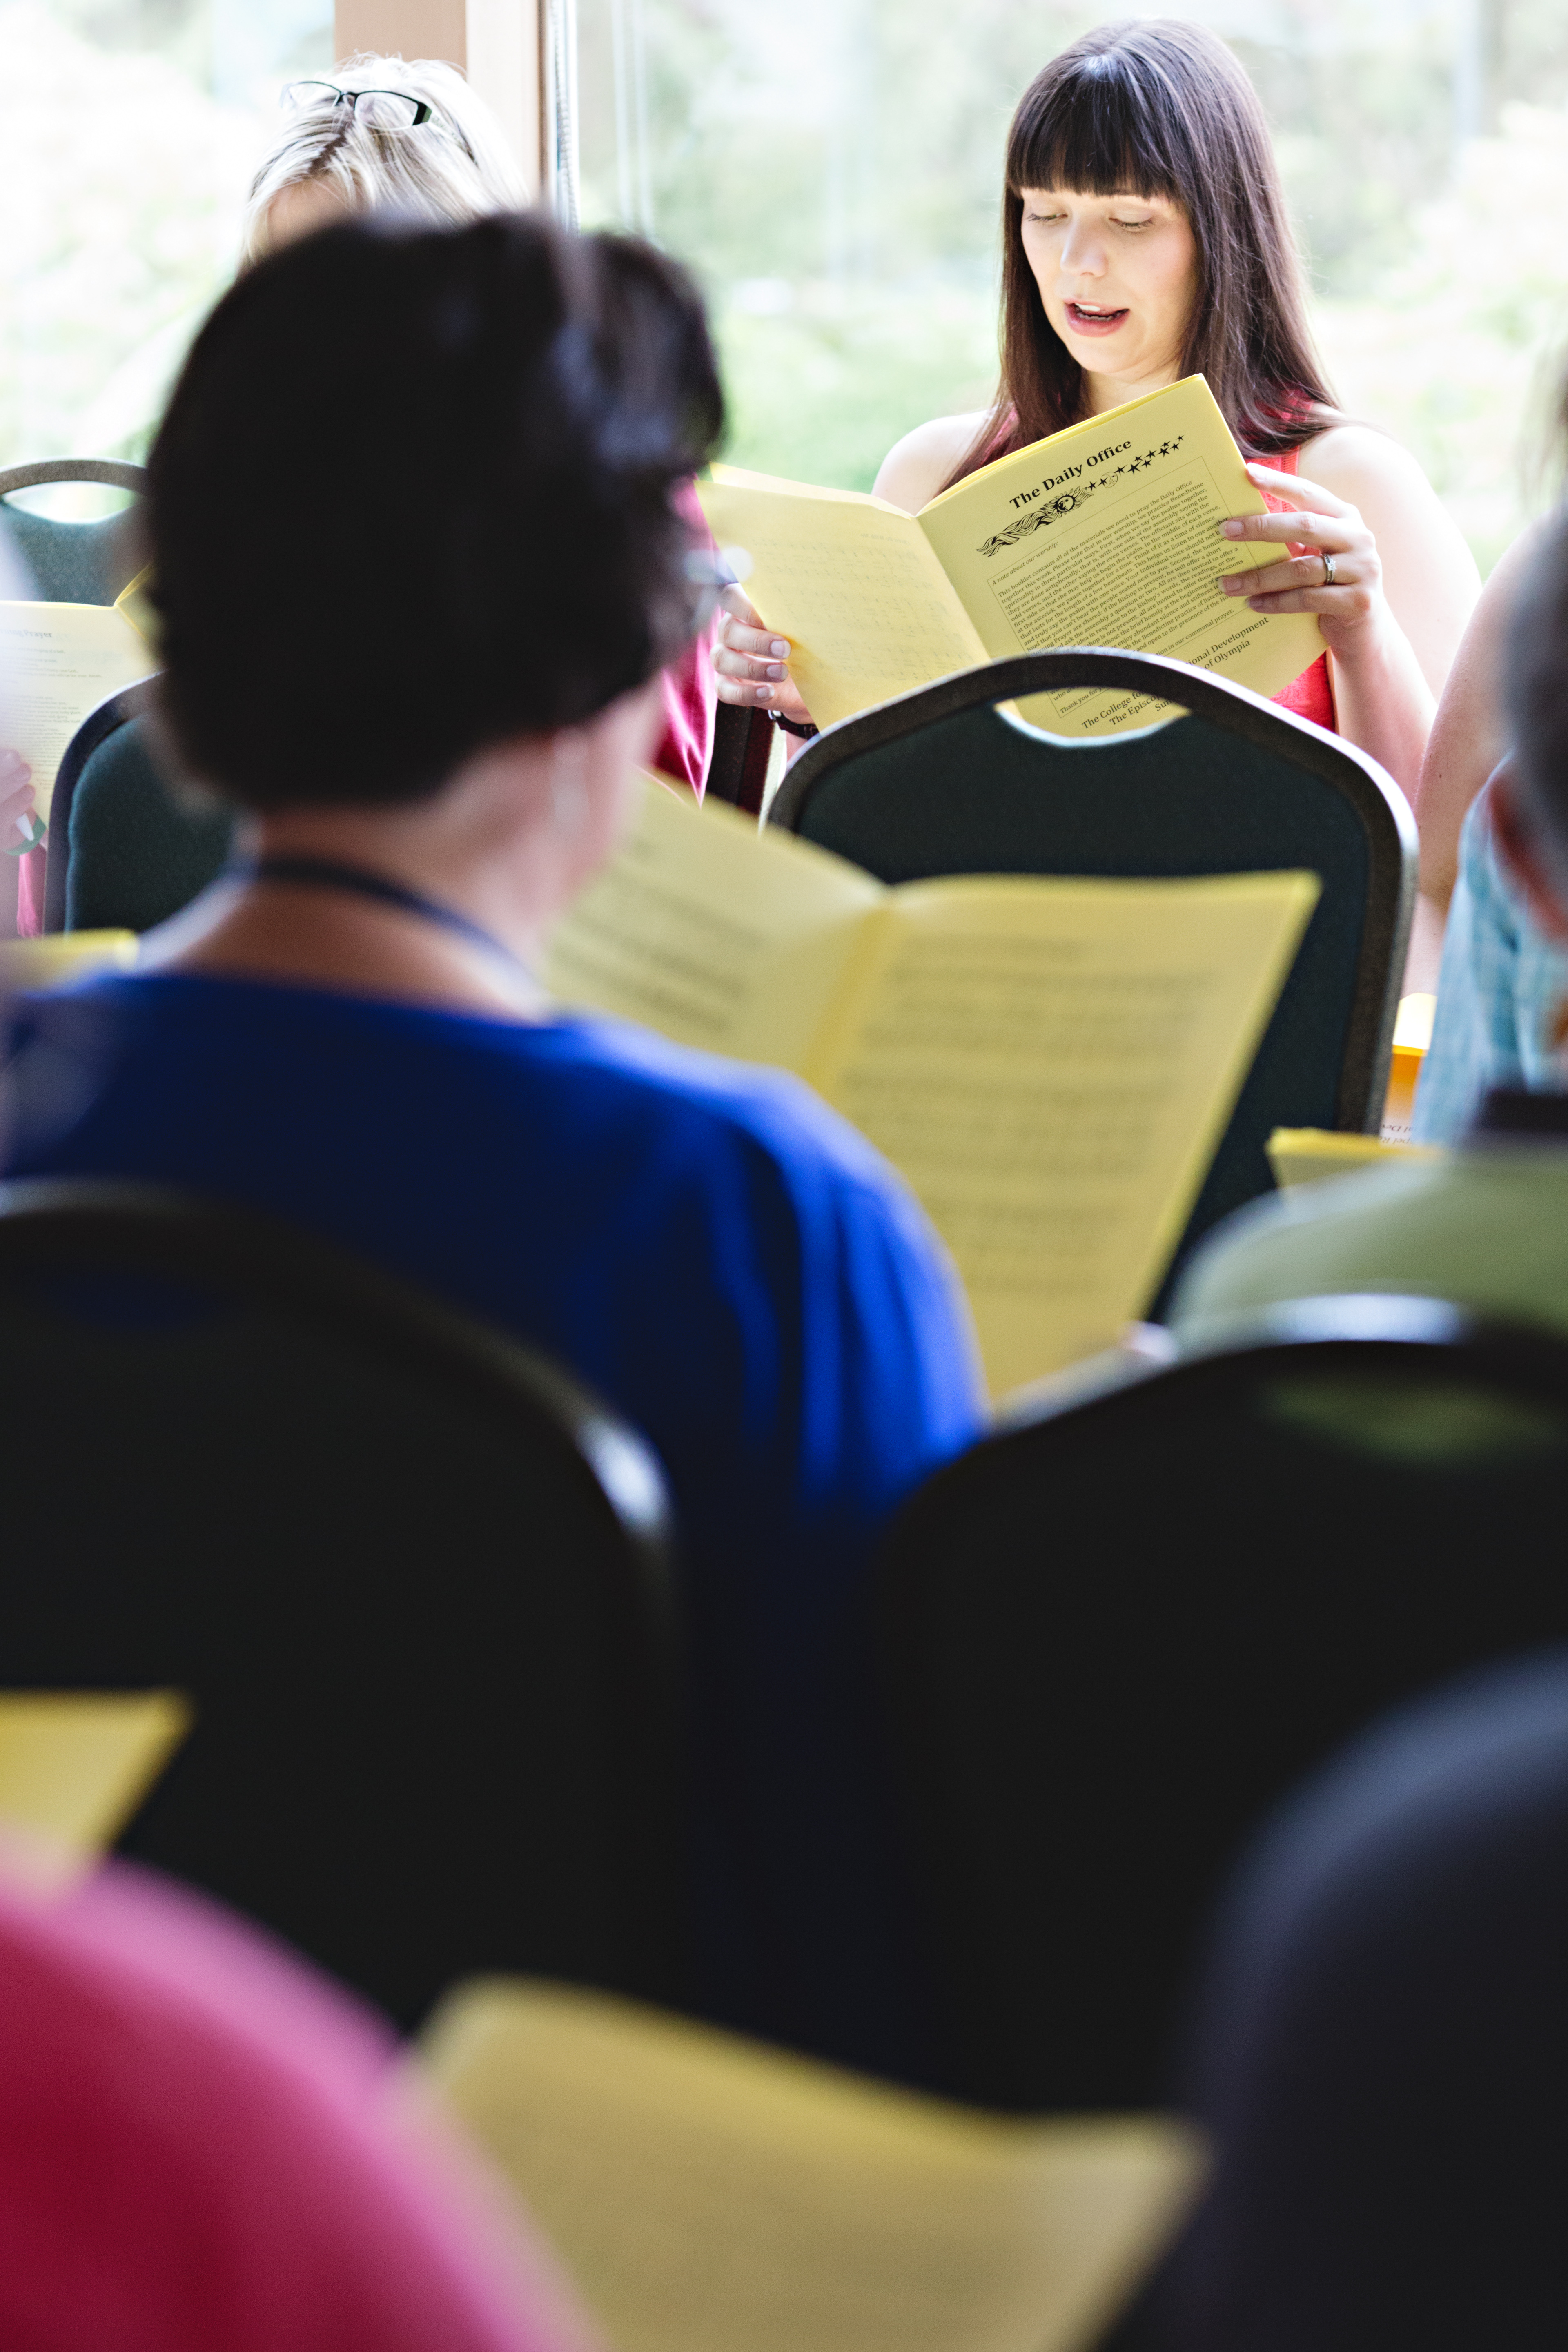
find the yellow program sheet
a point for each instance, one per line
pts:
(1049, 1064)
(75, 1765)
(850, 582)
(1106, 534)
(58, 662)
(708, 2194)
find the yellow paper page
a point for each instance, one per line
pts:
(1305, 1155)
(1051, 1064)
(850, 582)
(136, 606)
(61, 956)
(715, 934)
(1107, 535)
(710, 2195)
(57, 663)
(75, 1765)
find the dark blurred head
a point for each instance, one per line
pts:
(1537, 700)
(412, 497)
(1382, 2053)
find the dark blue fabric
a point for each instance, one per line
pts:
(706, 1244)
(1383, 2052)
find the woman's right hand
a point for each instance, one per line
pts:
(752, 664)
(16, 798)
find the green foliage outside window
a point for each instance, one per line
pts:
(830, 169)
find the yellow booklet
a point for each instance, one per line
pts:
(58, 662)
(61, 956)
(75, 1765)
(1305, 1155)
(1049, 1062)
(1103, 535)
(710, 2195)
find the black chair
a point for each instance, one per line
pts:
(1119, 1629)
(413, 1580)
(75, 562)
(943, 782)
(738, 764)
(125, 852)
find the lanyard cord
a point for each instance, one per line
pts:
(329, 873)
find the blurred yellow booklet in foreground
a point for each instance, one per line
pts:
(59, 956)
(709, 2195)
(1049, 1062)
(58, 662)
(75, 1765)
(1106, 534)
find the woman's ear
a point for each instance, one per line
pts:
(1518, 838)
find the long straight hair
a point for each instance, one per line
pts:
(1160, 109)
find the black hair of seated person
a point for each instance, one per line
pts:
(1382, 2053)
(413, 495)
(1537, 692)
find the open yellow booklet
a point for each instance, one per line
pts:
(1103, 535)
(710, 2195)
(58, 662)
(1049, 1062)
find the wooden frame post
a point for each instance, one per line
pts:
(495, 42)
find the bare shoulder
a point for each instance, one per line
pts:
(915, 469)
(1354, 460)
(1428, 570)
(1393, 492)
(1481, 651)
(1510, 571)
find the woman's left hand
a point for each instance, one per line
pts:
(1345, 590)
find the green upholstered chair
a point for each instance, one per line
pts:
(415, 1581)
(75, 562)
(125, 851)
(945, 782)
(1116, 1632)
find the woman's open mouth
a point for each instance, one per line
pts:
(1085, 319)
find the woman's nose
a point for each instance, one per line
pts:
(1083, 251)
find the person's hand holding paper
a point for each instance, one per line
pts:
(1104, 534)
(752, 663)
(58, 662)
(19, 829)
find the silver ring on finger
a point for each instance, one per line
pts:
(1328, 563)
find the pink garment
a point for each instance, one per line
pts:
(30, 872)
(1311, 696)
(690, 690)
(199, 2152)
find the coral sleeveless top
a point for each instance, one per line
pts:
(1311, 696)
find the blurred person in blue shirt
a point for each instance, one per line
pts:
(419, 568)
(1502, 991)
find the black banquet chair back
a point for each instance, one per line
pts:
(72, 561)
(1118, 1630)
(414, 1580)
(126, 850)
(945, 781)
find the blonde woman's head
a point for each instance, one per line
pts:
(333, 159)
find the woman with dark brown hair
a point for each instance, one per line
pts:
(1145, 239)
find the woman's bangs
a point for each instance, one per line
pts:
(1096, 135)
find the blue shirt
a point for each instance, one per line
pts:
(710, 1248)
(1501, 985)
